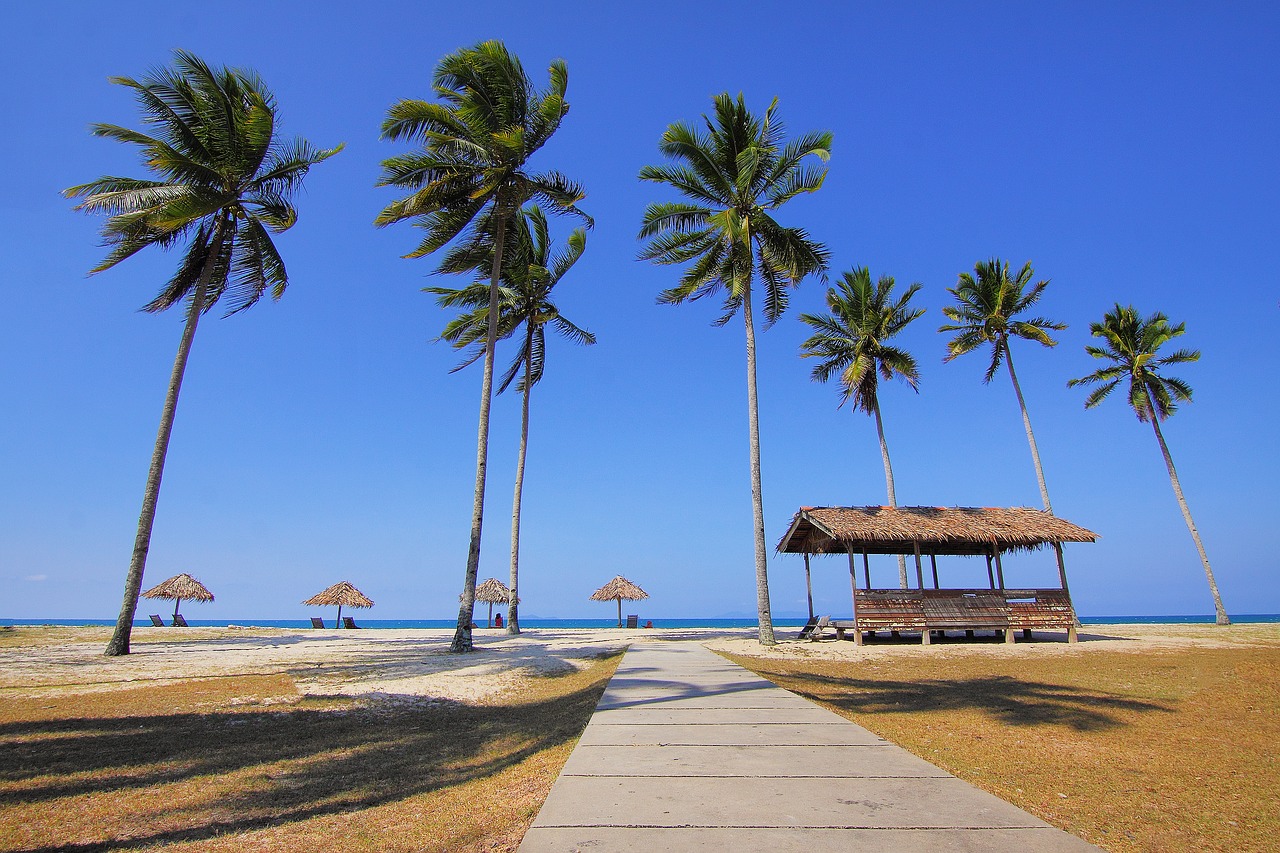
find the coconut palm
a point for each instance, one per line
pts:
(736, 174)
(851, 342)
(223, 185)
(531, 272)
(987, 304)
(476, 143)
(1131, 345)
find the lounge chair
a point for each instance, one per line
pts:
(816, 633)
(808, 628)
(317, 622)
(349, 622)
(180, 621)
(633, 621)
(156, 621)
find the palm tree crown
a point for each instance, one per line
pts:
(851, 340)
(1131, 345)
(737, 174)
(225, 180)
(987, 304)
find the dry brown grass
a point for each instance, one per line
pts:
(246, 763)
(1134, 752)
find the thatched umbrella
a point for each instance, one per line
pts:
(618, 589)
(493, 591)
(179, 587)
(342, 593)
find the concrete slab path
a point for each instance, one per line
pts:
(688, 751)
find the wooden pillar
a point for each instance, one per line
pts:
(999, 568)
(853, 587)
(933, 561)
(866, 568)
(919, 567)
(1062, 568)
(808, 584)
(990, 576)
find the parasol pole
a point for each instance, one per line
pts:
(176, 604)
(338, 624)
(619, 611)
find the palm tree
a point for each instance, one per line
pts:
(224, 184)
(1131, 345)
(531, 271)
(851, 341)
(987, 304)
(476, 143)
(736, 174)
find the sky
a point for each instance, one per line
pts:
(1128, 151)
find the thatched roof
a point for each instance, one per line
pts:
(619, 589)
(342, 594)
(937, 530)
(181, 586)
(493, 591)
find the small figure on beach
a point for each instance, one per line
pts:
(497, 620)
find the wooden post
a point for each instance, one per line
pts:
(866, 568)
(808, 584)
(919, 567)
(999, 568)
(1062, 569)
(853, 587)
(990, 576)
(933, 561)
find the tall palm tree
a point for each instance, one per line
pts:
(476, 144)
(223, 183)
(736, 174)
(986, 310)
(1131, 345)
(851, 342)
(531, 272)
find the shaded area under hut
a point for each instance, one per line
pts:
(939, 531)
(177, 588)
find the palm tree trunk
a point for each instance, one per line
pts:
(1221, 612)
(757, 498)
(888, 482)
(466, 610)
(119, 643)
(513, 624)
(1031, 438)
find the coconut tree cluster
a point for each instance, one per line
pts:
(222, 181)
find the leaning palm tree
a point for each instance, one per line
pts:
(851, 342)
(1131, 345)
(736, 174)
(531, 272)
(987, 304)
(224, 182)
(476, 143)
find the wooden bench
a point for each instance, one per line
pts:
(1041, 609)
(929, 610)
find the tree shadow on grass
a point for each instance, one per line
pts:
(303, 762)
(1012, 701)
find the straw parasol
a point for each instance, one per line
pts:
(342, 593)
(618, 589)
(179, 587)
(494, 592)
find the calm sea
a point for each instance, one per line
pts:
(609, 623)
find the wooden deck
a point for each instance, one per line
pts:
(929, 610)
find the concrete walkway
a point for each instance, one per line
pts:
(687, 751)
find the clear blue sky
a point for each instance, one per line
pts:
(1128, 151)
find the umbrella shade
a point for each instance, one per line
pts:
(179, 587)
(494, 592)
(618, 589)
(340, 594)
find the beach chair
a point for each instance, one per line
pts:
(180, 621)
(816, 633)
(349, 622)
(808, 628)
(156, 621)
(633, 621)
(317, 622)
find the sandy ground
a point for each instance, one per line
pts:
(415, 664)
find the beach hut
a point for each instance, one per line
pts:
(618, 589)
(494, 592)
(929, 530)
(340, 594)
(177, 588)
